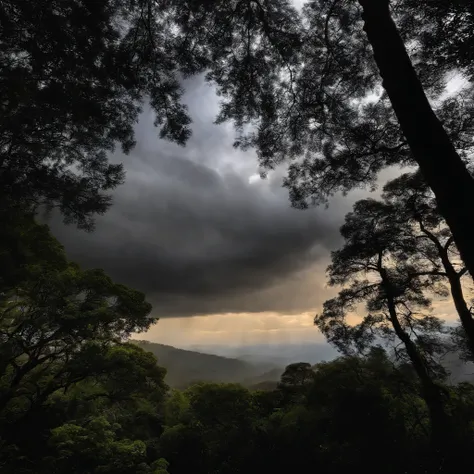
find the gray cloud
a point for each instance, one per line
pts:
(195, 230)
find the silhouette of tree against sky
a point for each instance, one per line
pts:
(444, 28)
(299, 100)
(75, 74)
(415, 209)
(441, 165)
(308, 104)
(374, 262)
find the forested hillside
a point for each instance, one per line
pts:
(372, 96)
(186, 367)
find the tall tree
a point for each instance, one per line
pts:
(440, 163)
(373, 260)
(415, 209)
(57, 319)
(64, 362)
(54, 315)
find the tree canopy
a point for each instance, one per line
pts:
(299, 80)
(74, 76)
(65, 363)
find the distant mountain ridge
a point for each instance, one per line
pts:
(273, 354)
(255, 371)
(186, 367)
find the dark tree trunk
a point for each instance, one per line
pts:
(440, 432)
(432, 149)
(431, 392)
(455, 286)
(462, 309)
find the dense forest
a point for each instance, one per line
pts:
(340, 90)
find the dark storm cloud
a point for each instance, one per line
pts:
(192, 231)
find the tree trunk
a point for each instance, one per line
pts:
(440, 432)
(430, 392)
(462, 309)
(432, 149)
(455, 286)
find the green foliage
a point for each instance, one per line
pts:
(74, 395)
(160, 466)
(176, 409)
(295, 381)
(94, 448)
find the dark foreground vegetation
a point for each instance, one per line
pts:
(345, 89)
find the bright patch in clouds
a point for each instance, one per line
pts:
(236, 329)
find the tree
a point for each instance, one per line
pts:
(441, 165)
(95, 448)
(160, 466)
(74, 75)
(176, 408)
(416, 210)
(58, 319)
(112, 412)
(295, 381)
(220, 404)
(308, 100)
(367, 408)
(67, 373)
(374, 262)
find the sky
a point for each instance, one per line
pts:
(219, 252)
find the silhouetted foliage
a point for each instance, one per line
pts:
(73, 77)
(446, 32)
(375, 262)
(75, 74)
(435, 254)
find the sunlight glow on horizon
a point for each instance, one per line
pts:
(242, 329)
(235, 329)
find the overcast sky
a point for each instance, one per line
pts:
(218, 251)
